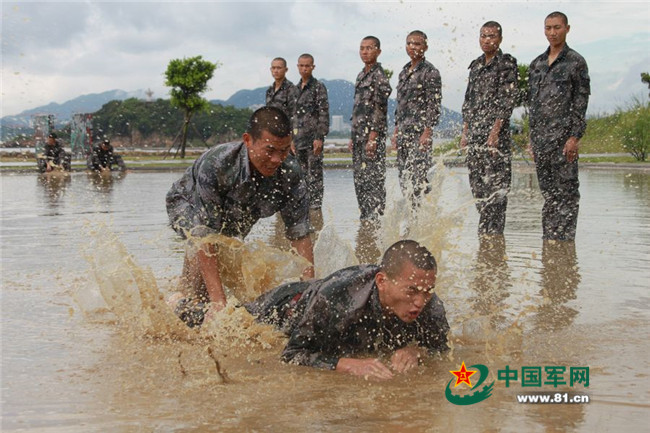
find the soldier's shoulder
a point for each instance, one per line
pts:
(508, 59)
(575, 56)
(225, 156)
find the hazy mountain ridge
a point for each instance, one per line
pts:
(340, 93)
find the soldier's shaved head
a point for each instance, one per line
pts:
(407, 251)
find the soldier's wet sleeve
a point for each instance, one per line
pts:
(295, 213)
(433, 96)
(380, 96)
(433, 333)
(312, 336)
(508, 87)
(292, 95)
(323, 127)
(208, 219)
(580, 98)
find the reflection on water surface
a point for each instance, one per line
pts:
(516, 301)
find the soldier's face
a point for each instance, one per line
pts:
(51, 141)
(406, 295)
(555, 31)
(489, 40)
(369, 52)
(268, 152)
(305, 67)
(416, 46)
(278, 69)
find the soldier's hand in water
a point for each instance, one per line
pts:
(393, 140)
(405, 359)
(425, 140)
(350, 146)
(493, 142)
(318, 147)
(371, 145)
(366, 368)
(213, 309)
(571, 149)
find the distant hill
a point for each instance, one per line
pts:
(11, 126)
(340, 93)
(341, 99)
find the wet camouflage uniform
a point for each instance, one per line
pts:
(105, 158)
(55, 154)
(311, 122)
(369, 114)
(419, 95)
(284, 98)
(558, 104)
(491, 94)
(221, 193)
(340, 316)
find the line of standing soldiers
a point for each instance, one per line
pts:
(559, 92)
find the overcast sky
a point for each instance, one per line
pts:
(56, 51)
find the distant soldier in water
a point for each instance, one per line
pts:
(335, 322)
(419, 97)
(228, 189)
(490, 97)
(54, 156)
(282, 93)
(103, 158)
(559, 94)
(310, 126)
(368, 140)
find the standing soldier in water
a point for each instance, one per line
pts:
(311, 124)
(489, 100)
(419, 95)
(558, 98)
(368, 146)
(282, 93)
(368, 141)
(226, 191)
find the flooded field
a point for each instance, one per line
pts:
(73, 361)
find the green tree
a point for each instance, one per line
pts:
(389, 73)
(636, 139)
(522, 101)
(645, 77)
(188, 79)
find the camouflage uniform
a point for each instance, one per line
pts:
(558, 104)
(418, 106)
(220, 193)
(340, 316)
(369, 114)
(284, 98)
(311, 122)
(491, 94)
(55, 154)
(104, 158)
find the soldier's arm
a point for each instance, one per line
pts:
(579, 98)
(323, 105)
(380, 96)
(433, 96)
(312, 336)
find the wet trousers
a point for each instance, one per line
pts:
(413, 165)
(312, 168)
(558, 182)
(489, 178)
(369, 176)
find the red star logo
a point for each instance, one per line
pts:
(462, 375)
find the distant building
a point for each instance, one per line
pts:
(338, 124)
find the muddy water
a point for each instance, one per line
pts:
(70, 364)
